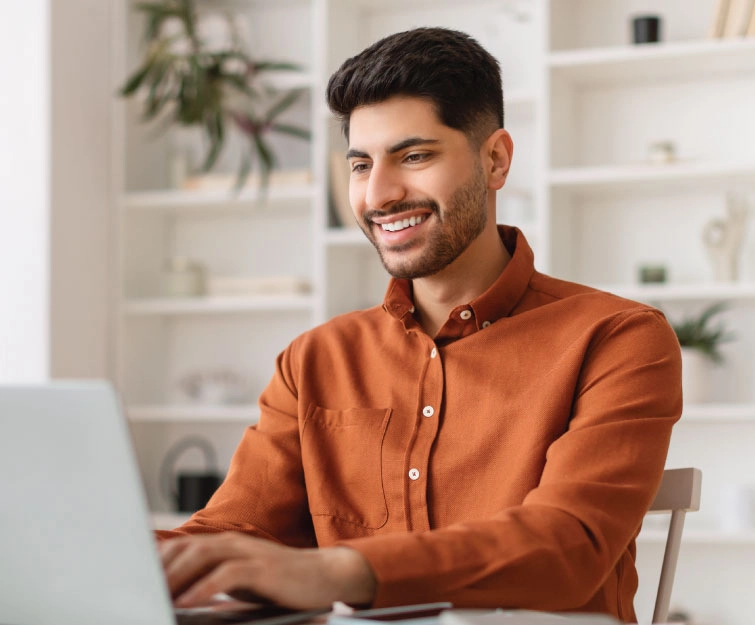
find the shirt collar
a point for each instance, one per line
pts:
(500, 298)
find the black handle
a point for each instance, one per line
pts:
(167, 468)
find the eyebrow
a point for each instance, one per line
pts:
(409, 142)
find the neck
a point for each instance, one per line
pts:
(470, 275)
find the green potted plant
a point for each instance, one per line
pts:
(700, 340)
(697, 333)
(186, 82)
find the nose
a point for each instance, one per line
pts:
(385, 187)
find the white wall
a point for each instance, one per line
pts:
(54, 189)
(82, 96)
(24, 190)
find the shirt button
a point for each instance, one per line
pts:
(465, 314)
(485, 324)
(433, 353)
(413, 474)
(428, 411)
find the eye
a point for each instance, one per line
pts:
(416, 157)
(359, 166)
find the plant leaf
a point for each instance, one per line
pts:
(265, 66)
(266, 160)
(214, 129)
(244, 169)
(295, 131)
(283, 103)
(696, 333)
(136, 79)
(207, 89)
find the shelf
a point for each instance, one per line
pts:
(665, 61)
(193, 413)
(683, 292)
(215, 200)
(218, 305)
(683, 176)
(719, 413)
(168, 520)
(692, 536)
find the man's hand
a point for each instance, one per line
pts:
(198, 567)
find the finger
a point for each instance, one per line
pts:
(234, 577)
(168, 550)
(197, 557)
(266, 572)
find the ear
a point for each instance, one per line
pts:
(496, 155)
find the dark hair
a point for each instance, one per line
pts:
(447, 67)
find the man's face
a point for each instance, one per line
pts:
(417, 188)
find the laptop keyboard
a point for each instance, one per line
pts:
(262, 615)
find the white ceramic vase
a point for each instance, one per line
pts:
(696, 368)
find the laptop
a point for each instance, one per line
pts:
(76, 545)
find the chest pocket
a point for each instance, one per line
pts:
(342, 459)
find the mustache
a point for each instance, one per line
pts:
(401, 207)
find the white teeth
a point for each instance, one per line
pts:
(402, 223)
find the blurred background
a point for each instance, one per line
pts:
(124, 258)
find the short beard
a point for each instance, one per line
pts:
(460, 223)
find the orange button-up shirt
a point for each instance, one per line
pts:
(508, 461)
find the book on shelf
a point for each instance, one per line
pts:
(227, 182)
(718, 23)
(738, 18)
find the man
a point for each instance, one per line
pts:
(489, 436)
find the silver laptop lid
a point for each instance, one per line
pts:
(75, 540)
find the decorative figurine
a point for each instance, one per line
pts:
(723, 238)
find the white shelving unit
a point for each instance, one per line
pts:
(164, 340)
(609, 210)
(583, 105)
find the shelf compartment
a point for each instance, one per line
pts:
(218, 305)
(665, 61)
(681, 176)
(193, 413)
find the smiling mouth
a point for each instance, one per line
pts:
(401, 224)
